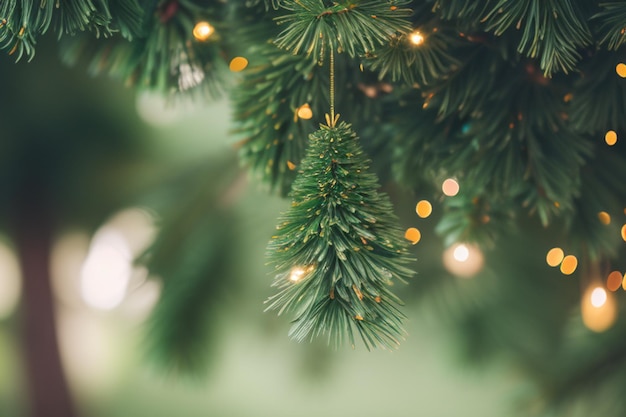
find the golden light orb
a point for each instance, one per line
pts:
(463, 260)
(417, 38)
(598, 308)
(413, 235)
(621, 69)
(450, 187)
(238, 63)
(203, 31)
(424, 209)
(614, 281)
(604, 217)
(569, 265)
(610, 138)
(305, 112)
(624, 233)
(555, 257)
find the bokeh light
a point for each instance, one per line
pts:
(413, 235)
(610, 137)
(463, 260)
(621, 69)
(624, 233)
(203, 31)
(569, 265)
(417, 38)
(555, 257)
(598, 308)
(424, 209)
(614, 281)
(305, 112)
(450, 187)
(238, 63)
(604, 217)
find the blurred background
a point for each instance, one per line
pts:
(90, 172)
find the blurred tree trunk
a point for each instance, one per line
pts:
(48, 392)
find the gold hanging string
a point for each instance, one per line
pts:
(331, 120)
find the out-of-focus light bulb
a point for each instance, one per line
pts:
(614, 281)
(296, 274)
(203, 31)
(598, 297)
(569, 265)
(417, 38)
(305, 112)
(238, 63)
(424, 209)
(598, 308)
(604, 217)
(621, 69)
(610, 137)
(413, 235)
(10, 280)
(463, 260)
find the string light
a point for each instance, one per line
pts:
(238, 63)
(450, 187)
(424, 209)
(614, 281)
(604, 217)
(298, 272)
(624, 233)
(621, 69)
(413, 235)
(463, 260)
(203, 31)
(305, 112)
(417, 38)
(555, 257)
(610, 137)
(569, 265)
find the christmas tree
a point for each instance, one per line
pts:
(500, 121)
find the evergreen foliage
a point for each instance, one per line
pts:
(337, 250)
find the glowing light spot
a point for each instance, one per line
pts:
(238, 63)
(614, 281)
(305, 112)
(423, 209)
(450, 187)
(413, 235)
(621, 69)
(598, 308)
(291, 165)
(569, 265)
(10, 280)
(203, 31)
(461, 253)
(416, 38)
(106, 271)
(610, 138)
(598, 297)
(463, 260)
(555, 257)
(604, 217)
(296, 274)
(624, 233)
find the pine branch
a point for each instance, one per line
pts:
(612, 24)
(355, 27)
(552, 30)
(338, 248)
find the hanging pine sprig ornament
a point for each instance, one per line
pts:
(339, 248)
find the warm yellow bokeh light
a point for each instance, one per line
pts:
(621, 69)
(296, 273)
(413, 235)
(624, 233)
(598, 297)
(450, 187)
(604, 217)
(555, 257)
(203, 31)
(424, 209)
(305, 112)
(569, 265)
(598, 308)
(238, 63)
(610, 138)
(614, 281)
(417, 38)
(463, 260)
